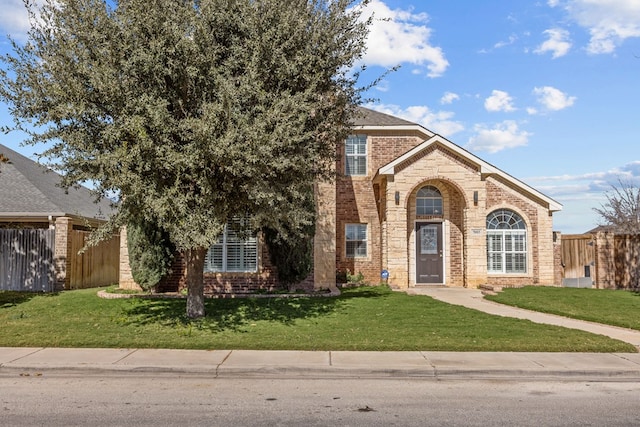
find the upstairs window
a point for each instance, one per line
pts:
(356, 239)
(506, 243)
(356, 155)
(236, 250)
(429, 201)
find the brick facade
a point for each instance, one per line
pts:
(386, 202)
(265, 279)
(403, 157)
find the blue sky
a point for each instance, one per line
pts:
(545, 90)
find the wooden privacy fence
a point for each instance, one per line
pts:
(605, 259)
(578, 260)
(97, 265)
(27, 260)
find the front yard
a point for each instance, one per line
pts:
(368, 318)
(611, 307)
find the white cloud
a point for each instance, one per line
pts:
(14, 19)
(440, 122)
(609, 22)
(449, 97)
(502, 136)
(512, 39)
(401, 36)
(499, 101)
(557, 43)
(627, 172)
(553, 99)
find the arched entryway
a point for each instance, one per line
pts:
(435, 221)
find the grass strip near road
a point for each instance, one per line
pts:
(367, 318)
(607, 306)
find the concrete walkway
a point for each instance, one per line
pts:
(473, 298)
(346, 364)
(34, 362)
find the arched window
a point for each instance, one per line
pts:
(429, 201)
(506, 242)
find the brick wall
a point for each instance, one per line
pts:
(359, 201)
(62, 253)
(265, 279)
(372, 200)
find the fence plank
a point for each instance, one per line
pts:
(578, 256)
(26, 260)
(97, 266)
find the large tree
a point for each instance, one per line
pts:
(191, 112)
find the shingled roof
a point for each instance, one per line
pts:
(367, 117)
(29, 190)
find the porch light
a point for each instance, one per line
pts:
(475, 198)
(397, 197)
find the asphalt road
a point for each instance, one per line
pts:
(128, 399)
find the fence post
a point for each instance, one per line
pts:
(125, 278)
(62, 255)
(605, 260)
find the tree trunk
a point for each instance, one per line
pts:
(194, 259)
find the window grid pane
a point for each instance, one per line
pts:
(506, 251)
(356, 155)
(429, 201)
(356, 240)
(235, 251)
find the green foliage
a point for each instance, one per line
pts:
(607, 306)
(150, 253)
(347, 278)
(190, 112)
(291, 247)
(292, 257)
(355, 279)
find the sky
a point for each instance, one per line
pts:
(545, 90)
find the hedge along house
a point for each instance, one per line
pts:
(408, 202)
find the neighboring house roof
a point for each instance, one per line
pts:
(368, 122)
(29, 190)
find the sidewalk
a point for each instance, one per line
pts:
(321, 364)
(349, 364)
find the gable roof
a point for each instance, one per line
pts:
(29, 190)
(374, 120)
(486, 169)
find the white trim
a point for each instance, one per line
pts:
(485, 168)
(366, 240)
(410, 128)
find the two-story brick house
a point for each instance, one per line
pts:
(428, 212)
(413, 204)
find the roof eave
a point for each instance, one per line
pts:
(406, 128)
(485, 168)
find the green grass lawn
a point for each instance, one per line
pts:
(368, 318)
(611, 307)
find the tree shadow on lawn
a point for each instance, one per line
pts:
(233, 314)
(12, 298)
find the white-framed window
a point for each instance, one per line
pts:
(429, 201)
(506, 243)
(235, 251)
(356, 155)
(356, 240)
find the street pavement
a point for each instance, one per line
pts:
(347, 364)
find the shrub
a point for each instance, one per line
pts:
(150, 253)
